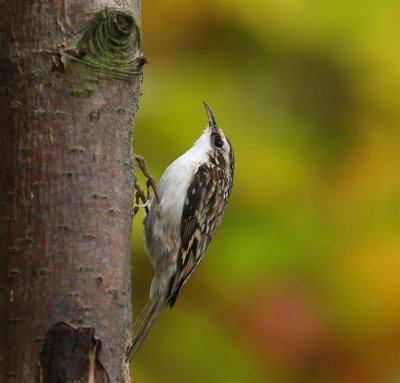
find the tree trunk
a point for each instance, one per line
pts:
(70, 74)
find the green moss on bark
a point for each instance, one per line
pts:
(110, 47)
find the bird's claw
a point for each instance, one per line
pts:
(140, 197)
(150, 183)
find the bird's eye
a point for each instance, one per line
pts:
(218, 142)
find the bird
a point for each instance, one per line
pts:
(182, 220)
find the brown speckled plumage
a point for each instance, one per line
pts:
(194, 191)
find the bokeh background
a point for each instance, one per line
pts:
(301, 283)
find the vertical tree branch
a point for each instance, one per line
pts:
(70, 77)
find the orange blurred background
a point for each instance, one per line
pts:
(301, 283)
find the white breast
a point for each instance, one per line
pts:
(162, 224)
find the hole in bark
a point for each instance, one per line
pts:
(124, 23)
(58, 65)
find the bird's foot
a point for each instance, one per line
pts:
(142, 200)
(151, 181)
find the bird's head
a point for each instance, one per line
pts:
(214, 142)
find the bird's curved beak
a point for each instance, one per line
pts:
(211, 120)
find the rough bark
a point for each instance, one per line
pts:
(70, 74)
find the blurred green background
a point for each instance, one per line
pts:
(301, 283)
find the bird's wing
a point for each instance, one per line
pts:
(195, 231)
